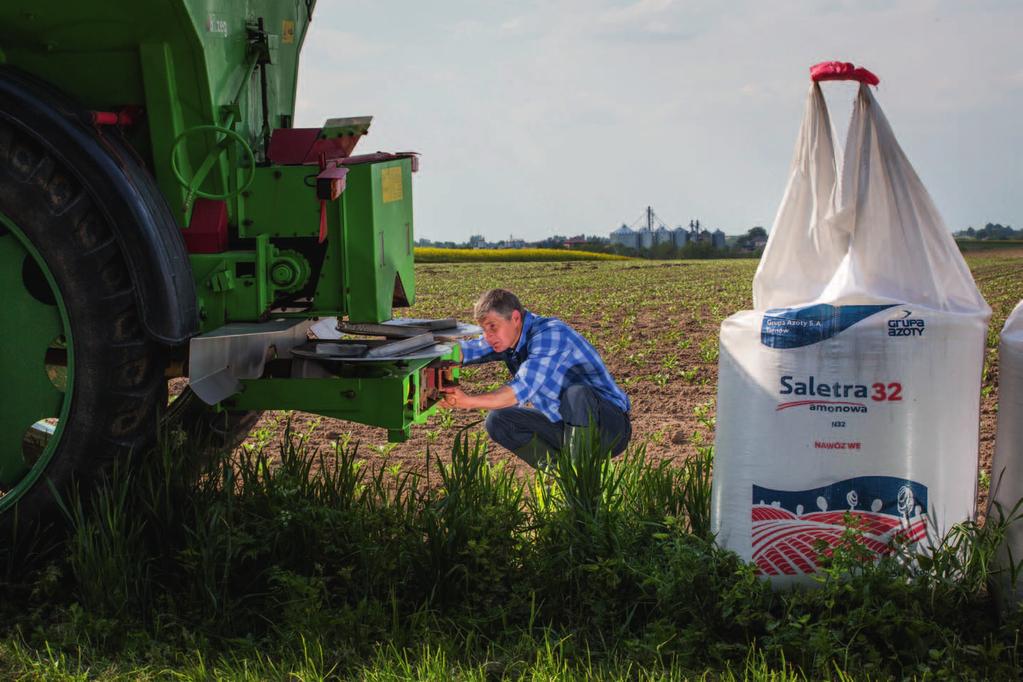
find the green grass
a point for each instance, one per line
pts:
(262, 565)
(532, 658)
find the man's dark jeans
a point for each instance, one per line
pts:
(515, 427)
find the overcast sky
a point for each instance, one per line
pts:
(560, 117)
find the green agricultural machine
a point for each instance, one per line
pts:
(161, 218)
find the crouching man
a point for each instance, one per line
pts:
(554, 369)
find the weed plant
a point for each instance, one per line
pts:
(193, 564)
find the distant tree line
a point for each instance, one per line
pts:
(754, 240)
(991, 231)
(668, 251)
(749, 245)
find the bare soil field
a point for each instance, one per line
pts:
(656, 326)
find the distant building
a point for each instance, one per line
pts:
(477, 241)
(679, 237)
(646, 238)
(625, 236)
(653, 232)
(575, 241)
(718, 238)
(694, 231)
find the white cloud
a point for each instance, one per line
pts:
(512, 25)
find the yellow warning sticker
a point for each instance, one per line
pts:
(390, 184)
(287, 31)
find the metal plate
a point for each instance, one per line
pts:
(460, 330)
(425, 323)
(326, 328)
(339, 350)
(391, 331)
(219, 359)
(308, 351)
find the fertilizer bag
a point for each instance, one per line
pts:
(853, 387)
(1007, 466)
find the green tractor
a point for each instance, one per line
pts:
(161, 218)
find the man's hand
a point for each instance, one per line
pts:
(455, 397)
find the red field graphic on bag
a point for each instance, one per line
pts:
(786, 537)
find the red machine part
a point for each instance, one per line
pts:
(307, 146)
(207, 230)
(432, 378)
(301, 146)
(125, 116)
(330, 182)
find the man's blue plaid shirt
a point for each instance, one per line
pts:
(549, 357)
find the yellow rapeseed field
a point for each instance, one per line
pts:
(433, 255)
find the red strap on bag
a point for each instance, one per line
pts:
(842, 71)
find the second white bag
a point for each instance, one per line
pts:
(1007, 466)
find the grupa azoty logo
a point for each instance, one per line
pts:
(907, 324)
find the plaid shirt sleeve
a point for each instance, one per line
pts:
(477, 350)
(544, 370)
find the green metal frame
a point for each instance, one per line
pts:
(203, 71)
(378, 239)
(388, 399)
(184, 61)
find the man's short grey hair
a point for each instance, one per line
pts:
(500, 301)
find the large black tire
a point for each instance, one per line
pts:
(79, 201)
(118, 373)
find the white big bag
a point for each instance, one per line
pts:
(854, 384)
(1007, 466)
